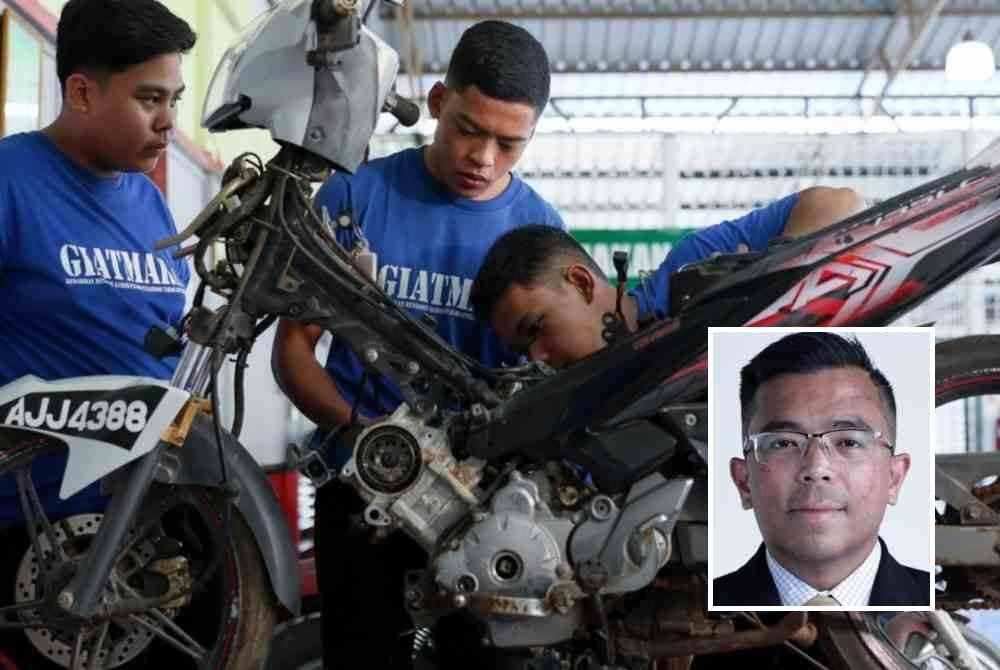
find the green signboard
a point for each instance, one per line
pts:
(646, 248)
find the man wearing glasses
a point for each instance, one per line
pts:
(819, 467)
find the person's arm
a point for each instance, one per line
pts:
(821, 206)
(293, 358)
(798, 214)
(300, 376)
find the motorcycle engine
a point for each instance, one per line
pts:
(526, 558)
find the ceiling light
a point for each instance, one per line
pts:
(969, 60)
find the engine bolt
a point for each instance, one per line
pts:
(691, 419)
(412, 367)
(371, 355)
(569, 496)
(65, 600)
(466, 584)
(601, 507)
(460, 600)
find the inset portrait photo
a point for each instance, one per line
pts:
(820, 468)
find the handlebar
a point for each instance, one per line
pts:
(405, 110)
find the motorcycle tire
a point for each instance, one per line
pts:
(232, 617)
(297, 645)
(967, 367)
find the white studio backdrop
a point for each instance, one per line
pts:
(906, 357)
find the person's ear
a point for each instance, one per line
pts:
(436, 99)
(581, 279)
(899, 465)
(80, 92)
(740, 472)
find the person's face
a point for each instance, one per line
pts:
(557, 322)
(819, 509)
(478, 140)
(131, 114)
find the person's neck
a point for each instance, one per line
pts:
(630, 310)
(69, 139)
(826, 575)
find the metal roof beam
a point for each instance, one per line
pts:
(919, 25)
(592, 67)
(463, 14)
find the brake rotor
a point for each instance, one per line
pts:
(124, 640)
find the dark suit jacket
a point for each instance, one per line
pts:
(753, 586)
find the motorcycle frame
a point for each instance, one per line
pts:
(661, 364)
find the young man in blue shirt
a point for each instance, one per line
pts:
(546, 298)
(430, 214)
(80, 283)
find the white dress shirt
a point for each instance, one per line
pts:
(854, 591)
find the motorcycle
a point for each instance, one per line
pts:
(567, 512)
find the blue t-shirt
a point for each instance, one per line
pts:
(755, 230)
(430, 244)
(80, 283)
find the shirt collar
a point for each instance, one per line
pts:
(853, 591)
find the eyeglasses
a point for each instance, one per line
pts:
(852, 444)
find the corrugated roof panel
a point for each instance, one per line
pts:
(768, 107)
(703, 34)
(688, 106)
(834, 107)
(602, 107)
(926, 106)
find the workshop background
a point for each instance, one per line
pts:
(666, 116)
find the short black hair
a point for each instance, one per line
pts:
(811, 351)
(525, 255)
(503, 61)
(104, 37)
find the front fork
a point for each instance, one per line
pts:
(81, 596)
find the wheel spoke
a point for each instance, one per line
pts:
(163, 620)
(186, 644)
(35, 518)
(87, 648)
(95, 650)
(8, 611)
(76, 660)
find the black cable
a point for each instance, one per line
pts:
(264, 324)
(368, 11)
(199, 294)
(239, 384)
(217, 418)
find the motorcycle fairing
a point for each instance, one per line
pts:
(104, 421)
(328, 108)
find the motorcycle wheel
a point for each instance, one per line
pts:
(228, 618)
(297, 645)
